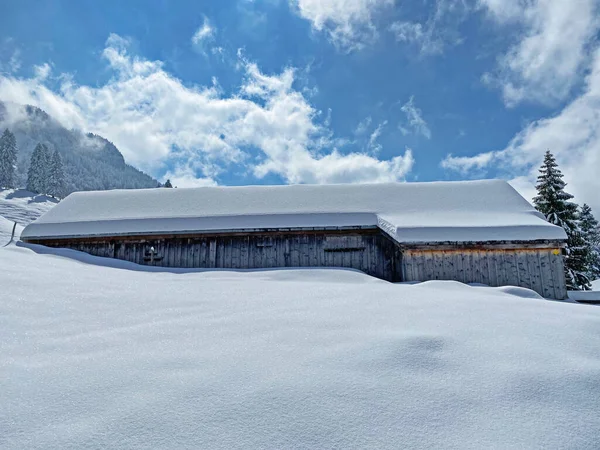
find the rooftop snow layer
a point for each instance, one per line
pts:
(411, 212)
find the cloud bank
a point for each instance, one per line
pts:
(196, 133)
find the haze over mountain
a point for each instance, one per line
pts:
(91, 162)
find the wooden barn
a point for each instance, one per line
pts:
(473, 232)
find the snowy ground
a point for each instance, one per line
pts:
(6, 227)
(596, 285)
(96, 357)
(22, 206)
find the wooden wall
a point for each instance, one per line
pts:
(538, 269)
(367, 250)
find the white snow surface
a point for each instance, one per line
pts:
(411, 212)
(23, 207)
(596, 285)
(6, 227)
(98, 353)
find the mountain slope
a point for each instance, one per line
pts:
(90, 161)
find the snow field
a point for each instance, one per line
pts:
(23, 207)
(95, 356)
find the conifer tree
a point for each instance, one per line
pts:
(8, 160)
(39, 170)
(591, 234)
(554, 203)
(56, 181)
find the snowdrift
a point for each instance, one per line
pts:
(97, 357)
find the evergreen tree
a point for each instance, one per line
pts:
(168, 184)
(591, 234)
(56, 182)
(8, 160)
(554, 203)
(38, 174)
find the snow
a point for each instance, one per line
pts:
(6, 227)
(126, 356)
(596, 285)
(411, 212)
(23, 207)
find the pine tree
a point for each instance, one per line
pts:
(38, 174)
(591, 234)
(8, 160)
(56, 181)
(554, 203)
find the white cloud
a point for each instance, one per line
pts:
(374, 146)
(14, 64)
(436, 33)
(186, 177)
(525, 187)
(551, 49)
(349, 23)
(363, 126)
(42, 71)
(414, 119)
(10, 56)
(466, 164)
(573, 135)
(206, 33)
(159, 123)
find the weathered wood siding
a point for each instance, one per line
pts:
(538, 269)
(367, 250)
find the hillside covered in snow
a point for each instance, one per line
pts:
(23, 207)
(90, 161)
(100, 353)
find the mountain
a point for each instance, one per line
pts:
(91, 162)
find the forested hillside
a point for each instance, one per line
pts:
(90, 162)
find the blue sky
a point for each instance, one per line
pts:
(316, 91)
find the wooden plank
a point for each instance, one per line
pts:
(212, 253)
(467, 267)
(406, 269)
(313, 250)
(243, 245)
(459, 267)
(524, 275)
(446, 266)
(374, 256)
(535, 272)
(426, 269)
(236, 253)
(512, 269)
(482, 269)
(546, 274)
(558, 274)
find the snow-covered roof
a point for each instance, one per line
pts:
(488, 210)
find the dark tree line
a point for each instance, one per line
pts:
(582, 252)
(46, 172)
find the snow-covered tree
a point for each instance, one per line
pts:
(38, 174)
(555, 204)
(591, 234)
(8, 160)
(56, 181)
